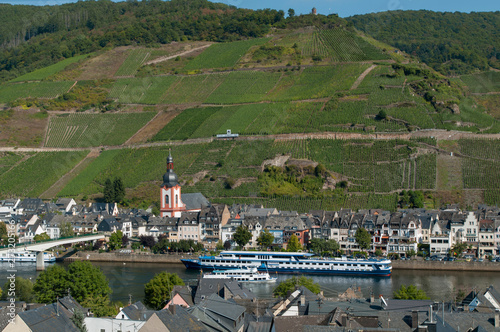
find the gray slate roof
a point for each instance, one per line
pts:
(181, 320)
(137, 311)
(194, 201)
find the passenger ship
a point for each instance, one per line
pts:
(291, 262)
(242, 275)
(25, 256)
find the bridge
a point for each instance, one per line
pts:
(41, 246)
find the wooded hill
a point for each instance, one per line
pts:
(451, 43)
(327, 117)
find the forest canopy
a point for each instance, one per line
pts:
(452, 43)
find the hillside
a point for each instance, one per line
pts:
(327, 118)
(451, 43)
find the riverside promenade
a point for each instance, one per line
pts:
(143, 257)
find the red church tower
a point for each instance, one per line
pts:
(170, 197)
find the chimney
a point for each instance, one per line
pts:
(344, 320)
(171, 308)
(302, 300)
(414, 319)
(372, 298)
(497, 318)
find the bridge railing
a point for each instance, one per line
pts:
(20, 244)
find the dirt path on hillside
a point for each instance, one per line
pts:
(66, 178)
(362, 77)
(169, 57)
(151, 128)
(435, 133)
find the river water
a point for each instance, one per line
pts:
(128, 279)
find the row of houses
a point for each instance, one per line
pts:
(392, 232)
(217, 305)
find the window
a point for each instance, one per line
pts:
(176, 200)
(167, 201)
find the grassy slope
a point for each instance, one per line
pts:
(297, 99)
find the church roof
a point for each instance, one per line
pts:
(194, 201)
(170, 179)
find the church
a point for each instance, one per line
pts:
(172, 202)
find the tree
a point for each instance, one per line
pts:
(382, 115)
(265, 239)
(458, 249)
(363, 238)
(51, 284)
(293, 244)
(291, 12)
(290, 285)
(109, 191)
(86, 284)
(79, 320)
(119, 190)
(317, 245)
(242, 235)
(3, 231)
(227, 245)
(147, 240)
(332, 246)
(66, 229)
(115, 240)
(23, 289)
(410, 293)
(125, 240)
(157, 290)
(41, 237)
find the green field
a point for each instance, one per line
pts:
(84, 183)
(85, 130)
(147, 90)
(223, 55)
(316, 82)
(370, 166)
(483, 83)
(340, 45)
(36, 174)
(244, 87)
(11, 92)
(134, 60)
(8, 160)
(45, 72)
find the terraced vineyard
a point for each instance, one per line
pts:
(481, 168)
(148, 90)
(85, 130)
(33, 176)
(134, 60)
(45, 72)
(370, 166)
(340, 45)
(483, 83)
(11, 92)
(223, 55)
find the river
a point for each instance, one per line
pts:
(128, 279)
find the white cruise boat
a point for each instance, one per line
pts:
(291, 262)
(243, 275)
(25, 256)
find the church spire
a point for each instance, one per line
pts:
(170, 160)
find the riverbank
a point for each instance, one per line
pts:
(144, 257)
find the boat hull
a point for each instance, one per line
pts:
(194, 264)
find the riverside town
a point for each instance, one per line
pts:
(210, 165)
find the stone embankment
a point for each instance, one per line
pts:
(126, 257)
(175, 259)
